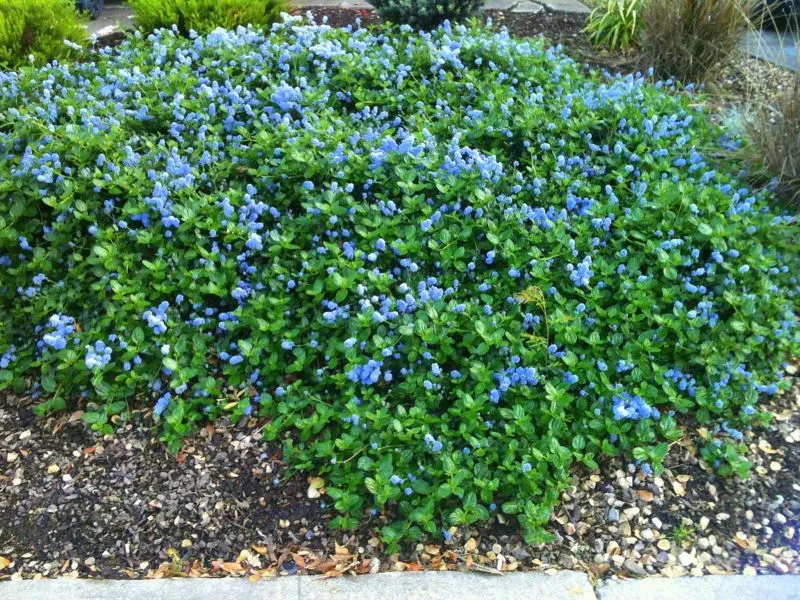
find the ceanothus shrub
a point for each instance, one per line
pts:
(441, 269)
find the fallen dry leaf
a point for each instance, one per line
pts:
(299, 561)
(232, 568)
(324, 567)
(341, 550)
(645, 495)
(4, 562)
(766, 447)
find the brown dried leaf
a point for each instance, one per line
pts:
(678, 488)
(341, 550)
(299, 561)
(232, 568)
(4, 562)
(363, 567)
(645, 495)
(324, 567)
(741, 543)
(766, 447)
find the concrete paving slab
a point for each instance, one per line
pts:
(429, 585)
(316, 3)
(432, 585)
(115, 16)
(722, 587)
(355, 4)
(279, 588)
(528, 7)
(499, 4)
(566, 6)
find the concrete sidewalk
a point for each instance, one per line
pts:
(426, 585)
(779, 48)
(429, 585)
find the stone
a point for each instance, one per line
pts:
(704, 522)
(631, 512)
(779, 567)
(500, 4)
(685, 559)
(527, 7)
(613, 515)
(634, 568)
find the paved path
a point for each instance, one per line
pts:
(116, 15)
(723, 587)
(431, 585)
(776, 47)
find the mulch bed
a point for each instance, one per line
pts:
(123, 506)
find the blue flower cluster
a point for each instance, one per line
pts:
(633, 408)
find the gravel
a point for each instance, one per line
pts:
(123, 506)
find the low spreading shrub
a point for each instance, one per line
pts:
(441, 269)
(203, 16)
(686, 39)
(615, 23)
(426, 14)
(38, 31)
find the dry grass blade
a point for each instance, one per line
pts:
(685, 39)
(773, 130)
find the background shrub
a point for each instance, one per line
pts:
(426, 14)
(204, 16)
(615, 24)
(38, 28)
(93, 7)
(442, 269)
(685, 39)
